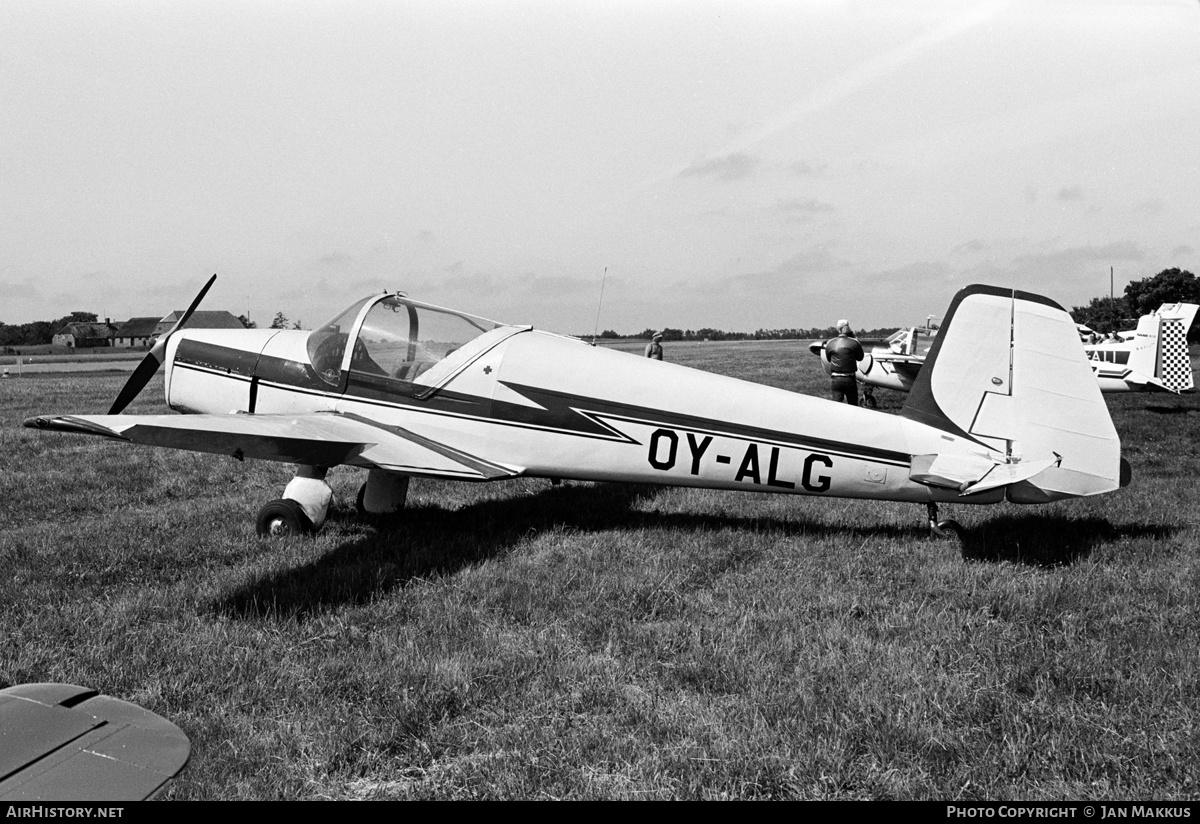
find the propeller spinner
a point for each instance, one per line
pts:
(154, 358)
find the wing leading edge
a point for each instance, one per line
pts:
(320, 439)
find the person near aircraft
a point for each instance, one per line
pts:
(843, 352)
(654, 348)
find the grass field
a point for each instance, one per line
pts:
(519, 640)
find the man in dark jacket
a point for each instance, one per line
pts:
(843, 354)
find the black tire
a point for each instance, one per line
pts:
(869, 402)
(283, 518)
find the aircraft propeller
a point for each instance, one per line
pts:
(154, 358)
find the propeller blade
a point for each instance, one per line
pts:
(184, 319)
(154, 358)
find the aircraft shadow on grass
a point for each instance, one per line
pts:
(429, 541)
(1048, 541)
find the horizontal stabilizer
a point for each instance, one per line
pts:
(318, 439)
(949, 471)
(970, 474)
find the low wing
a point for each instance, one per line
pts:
(318, 439)
(60, 742)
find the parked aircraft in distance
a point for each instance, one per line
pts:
(60, 742)
(1152, 358)
(407, 389)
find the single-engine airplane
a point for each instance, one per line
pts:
(1006, 408)
(1154, 358)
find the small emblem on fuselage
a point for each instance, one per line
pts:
(996, 381)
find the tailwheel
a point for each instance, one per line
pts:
(944, 528)
(949, 529)
(283, 518)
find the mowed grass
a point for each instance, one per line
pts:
(519, 640)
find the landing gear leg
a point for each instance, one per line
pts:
(943, 529)
(301, 510)
(383, 494)
(868, 397)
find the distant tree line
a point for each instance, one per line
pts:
(1109, 314)
(710, 334)
(40, 332)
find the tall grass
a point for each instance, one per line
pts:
(520, 640)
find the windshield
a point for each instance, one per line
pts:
(399, 340)
(327, 344)
(911, 341)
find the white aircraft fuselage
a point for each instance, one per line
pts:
(406, 389)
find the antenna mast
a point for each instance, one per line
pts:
(596, 328)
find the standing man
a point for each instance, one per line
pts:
(843, 354)
(654, 347)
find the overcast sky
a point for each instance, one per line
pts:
(738, 165)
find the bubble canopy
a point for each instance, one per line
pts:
(391, 339)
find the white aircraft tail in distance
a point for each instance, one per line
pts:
(1154, 358)
(1003, 410)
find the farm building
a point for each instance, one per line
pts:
(85, 335)
(136, 332)
(213, 319)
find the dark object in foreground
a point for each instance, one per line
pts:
(60, 742)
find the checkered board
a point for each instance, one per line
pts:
(1174, 365)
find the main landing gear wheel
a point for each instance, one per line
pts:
(283, 518)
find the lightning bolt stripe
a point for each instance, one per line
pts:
(554, 411)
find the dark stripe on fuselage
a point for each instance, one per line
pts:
(564, 406)
(225, 359)
(556, 411)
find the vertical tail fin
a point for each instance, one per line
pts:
(1144, 356)
(1008, 371)
(1172, 365)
